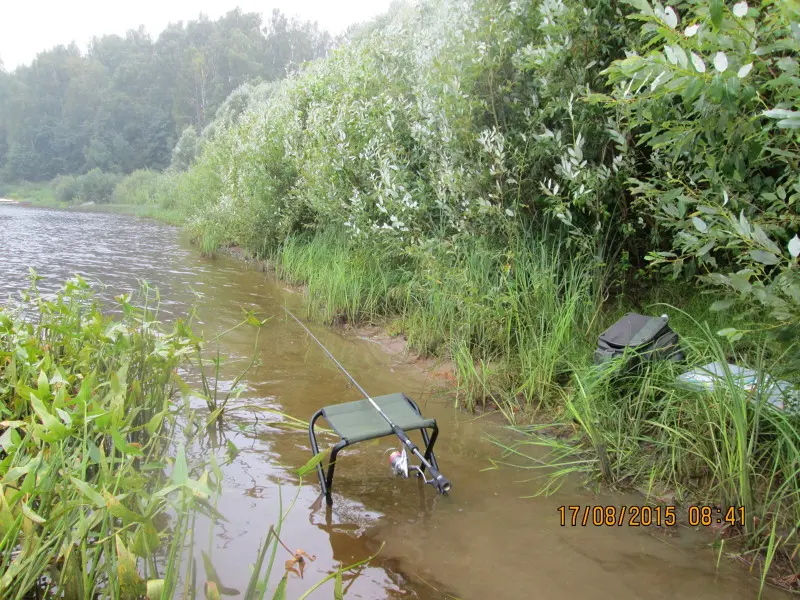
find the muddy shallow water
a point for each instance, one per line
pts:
(483, 541)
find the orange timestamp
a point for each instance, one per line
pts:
(645, 516)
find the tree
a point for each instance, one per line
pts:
(185, 150)
(123, 104)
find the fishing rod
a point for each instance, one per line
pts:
(440, 482)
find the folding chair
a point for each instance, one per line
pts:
(358, 421)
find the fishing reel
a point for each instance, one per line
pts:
(398, 461)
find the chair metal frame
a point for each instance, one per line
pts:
(326, 481)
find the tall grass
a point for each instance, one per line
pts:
(510, 320)
(344, 284)
(727, 446)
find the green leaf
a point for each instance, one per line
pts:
(119, 510)
(233, 451)
(215, 469)
(739, 282)
(744, 225)
(180, 472)
(28, 512)
(699, 224)
(146, 541)
(52, 425)
(92, 494)
(155, 589)
(762, 238)
(787, 64)
(794, 246)
(154, 423)
(720, 305)
(642, 5)
(126, 566)
(280, 591)
(44, 386)
(733, 335)
(213, 576)
(121, 444)
(311, 465)
(212, 591)
(791, 123)
(779, 113)
(716, 10)
(338, 588)
(765, 258)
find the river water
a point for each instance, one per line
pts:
(485, 540)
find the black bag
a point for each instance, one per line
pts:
(649, 338)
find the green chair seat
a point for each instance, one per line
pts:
(358, 421)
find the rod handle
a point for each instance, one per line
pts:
(441, 482)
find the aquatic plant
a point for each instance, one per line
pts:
(97, 497)
(88, 409)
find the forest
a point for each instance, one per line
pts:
(124, 103)
(497, 181)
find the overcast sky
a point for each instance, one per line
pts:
(30, 26)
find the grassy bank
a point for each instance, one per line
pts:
(524, 314)
(143, 193)
(40, 194)
(128, 200)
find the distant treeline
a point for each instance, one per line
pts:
(124, 103)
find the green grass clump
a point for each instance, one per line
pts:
(511, 321)
(727, 447)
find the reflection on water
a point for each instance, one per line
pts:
(483, 541)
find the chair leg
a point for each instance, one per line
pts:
(315, 448)
(429, 442)
(331, 465)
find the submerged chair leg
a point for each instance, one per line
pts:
(429, 442)
(331, 465)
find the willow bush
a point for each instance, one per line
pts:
(453, 120)
(711, 95)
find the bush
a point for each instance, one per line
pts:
(94, 186)
(451, 120)
(712, 105)
(185, 151)
(66, 188)
(140, 187)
